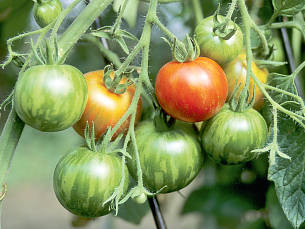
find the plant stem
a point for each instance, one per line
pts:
(197, 11)
(81, 24)
(155, 209)
(231, 10)
(288, 24)
(8, 142)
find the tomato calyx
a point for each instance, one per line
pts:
(239, 102)
(162, 121)
(223, 29)
(112, 80)
(184, 52)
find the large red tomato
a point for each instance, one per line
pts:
(104, 107)
(192, 91)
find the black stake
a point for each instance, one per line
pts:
(288, 49)
(156, 211)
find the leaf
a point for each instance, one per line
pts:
(288, 7)
(133, 212)
(223, 202)
(131, 10)
(282, 82)
(123, 45)
(276, 215)
(289, 175)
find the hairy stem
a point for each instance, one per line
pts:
(81, 24)
(197, 11)
(8, 143)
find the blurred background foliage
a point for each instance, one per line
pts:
(221, 197)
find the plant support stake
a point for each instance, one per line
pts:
(291, 61)
(156, 211)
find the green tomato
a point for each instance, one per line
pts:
(83, 180)
(215, 47)
(50, 97)
(229, 137)
(170, 159)
(46, 11)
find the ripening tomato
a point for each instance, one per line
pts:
(236, 71)
(215, 47)
(105, 108)
(192, 91)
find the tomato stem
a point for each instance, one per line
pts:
(8, 142)
(79, 26)
(197, 11)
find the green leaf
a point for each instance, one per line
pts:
(131, 10)
(282, 82)
(133, 212)
(276, 215)
(288, 7)
(223, 202)
(289, 175)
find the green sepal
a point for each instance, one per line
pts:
(163, 121)
(90, 137)
(184, 52)
(221, 29)
(118, 35)
(114, 84)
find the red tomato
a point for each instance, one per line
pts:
(104, 107)
(192, 91)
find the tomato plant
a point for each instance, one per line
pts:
(236, 72)
(236, 44)
(84, 180)
(218, 48)
(46, 11)
(105, 108)
(192, 91)
(50, 97)
(229, 137)
(170, 157)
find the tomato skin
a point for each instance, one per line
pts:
(50, 97)
(213, 46)
(104, 107)
(236, 71)
(83, 180)
(229, 136)
(171, 158)
(46, 12)
(191, 91)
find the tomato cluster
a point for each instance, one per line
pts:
(170, 153)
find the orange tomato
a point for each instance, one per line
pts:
(105, 108)
(236, 72)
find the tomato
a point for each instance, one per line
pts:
(83, 180)
(191, 91)
(229, 137)
(215, 47)
(50, 97)
(169, 158)
(46, 11)
(236, 71)
(104, 107)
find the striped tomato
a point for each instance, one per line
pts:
(170, 158)
(50, 97)
(84, 179)
(229, 137)
(192, 91)
(104, 107)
